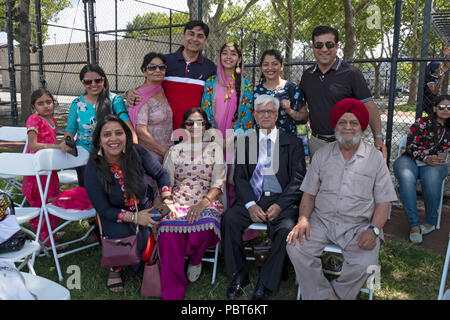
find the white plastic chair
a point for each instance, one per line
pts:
(13, 134)
(45, 161)
(401, 147)
(445, 295)
(45, 289)
(336, 249)
(23, 256)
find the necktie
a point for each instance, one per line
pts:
(263, 161)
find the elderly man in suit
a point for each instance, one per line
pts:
(270, 166)
(346, 195)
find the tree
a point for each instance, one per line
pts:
(23, 34)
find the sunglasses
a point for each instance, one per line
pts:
(152, 67)
(96, 80)
(190, 123)
(328, 44)
(442, 107)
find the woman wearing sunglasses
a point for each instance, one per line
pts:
(197, 175)
(152, 115)
(425, 159)
(96, 102)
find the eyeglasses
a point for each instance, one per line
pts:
(152, 67)
(328, 44)
(269, 112)
(190, 123)
(88, 81)
(442, 107)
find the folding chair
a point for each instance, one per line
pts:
(23, 256)
(401, 147)
(13, 134)
(371, 279)
(45, 161)
(445, 295)
(45, 289)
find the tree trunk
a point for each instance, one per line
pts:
(289, 40)
(24, 38)
(377, 89)
(350, 29)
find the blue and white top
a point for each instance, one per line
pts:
(82, 118)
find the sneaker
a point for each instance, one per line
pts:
(426, 230)
(193, 272)
(332, 265)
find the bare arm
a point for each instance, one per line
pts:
(34, 145)
(375, 126)
(367, 239)
(133, 132)
(146, 139)
(302, 228)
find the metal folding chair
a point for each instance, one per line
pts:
(46, 161)
(13, 134)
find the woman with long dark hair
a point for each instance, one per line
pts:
(228, 102)
(291, 98)
(425, 159)
(92, 106)
(115, 184)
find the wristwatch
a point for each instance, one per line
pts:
(375, 230)
(379, 136)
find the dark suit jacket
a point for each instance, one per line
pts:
(291, 169)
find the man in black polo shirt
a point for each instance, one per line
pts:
(187, 71)
(329, 81)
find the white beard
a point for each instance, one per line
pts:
(355, 140)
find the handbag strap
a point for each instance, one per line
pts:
(135, 220)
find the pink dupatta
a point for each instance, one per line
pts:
(145, 93)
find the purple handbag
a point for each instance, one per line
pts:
(151, 282)
(120, 251)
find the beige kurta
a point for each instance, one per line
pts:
(346, 195)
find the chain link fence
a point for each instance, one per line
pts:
(125, 30)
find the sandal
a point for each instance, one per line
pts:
(116, 286)
(426, 230)
(415, 237)
(193, 272)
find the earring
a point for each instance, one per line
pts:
(100, 152)
(123, 150)
(238, 70)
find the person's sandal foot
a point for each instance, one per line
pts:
(193, 272)
(114, 282)
(415, 237)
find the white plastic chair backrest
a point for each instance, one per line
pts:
(20, 164)
(14, 134)
(402, 145)
(55, 159)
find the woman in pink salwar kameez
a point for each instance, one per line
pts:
(197, 172)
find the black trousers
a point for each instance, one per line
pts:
(234, 222)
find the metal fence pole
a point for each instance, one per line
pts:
(170, 31)
(92, 32)
(393, 80)
(200, 10)
(12, 71)
(86, 28)
(424, 53)
(116, 62)
(37, 8)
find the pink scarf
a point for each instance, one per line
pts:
(145, 93)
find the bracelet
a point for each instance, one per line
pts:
(165, 188)
(168, 198)
(133, 216)
(379, 136)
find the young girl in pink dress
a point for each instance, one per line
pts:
(41, 129)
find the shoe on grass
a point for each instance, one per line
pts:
(193, 272)
(426, 230)
(415, 237)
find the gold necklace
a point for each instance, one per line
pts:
(229, 88)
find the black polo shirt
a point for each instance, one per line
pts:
(323, 91)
